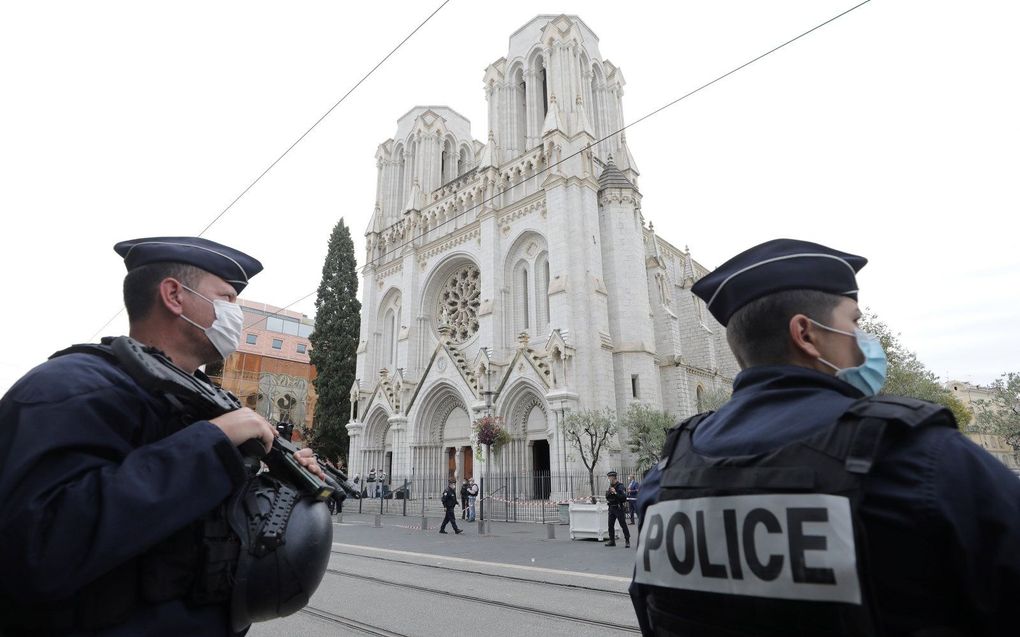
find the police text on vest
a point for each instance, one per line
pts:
(789, 546)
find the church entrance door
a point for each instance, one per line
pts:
(540, 461)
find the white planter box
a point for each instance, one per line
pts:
(589, 521)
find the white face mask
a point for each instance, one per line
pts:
(225, 332)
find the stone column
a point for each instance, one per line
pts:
(398, 428)
(355, 462)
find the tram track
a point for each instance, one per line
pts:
(575, 587)
(346, 622)
(490, 602)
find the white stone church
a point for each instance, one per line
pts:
(518, 276)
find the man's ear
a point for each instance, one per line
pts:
(170, 293)
(803, 336)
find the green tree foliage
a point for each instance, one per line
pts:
(590, 433)
(907, 375)
(646, 433)
(1001, 414)
(335, 344)
(714, 398)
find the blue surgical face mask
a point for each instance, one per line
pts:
(869, 376)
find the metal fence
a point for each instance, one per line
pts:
(503, 496)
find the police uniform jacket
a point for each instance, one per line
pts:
(942, 516)
(616, 495)
(94, 473)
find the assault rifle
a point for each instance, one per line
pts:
(155, 372)
(340, 478)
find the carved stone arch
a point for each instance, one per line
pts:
(376, 426)
(440, 402)
(453, 296)
(523, 397)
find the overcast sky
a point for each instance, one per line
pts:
(891, 133)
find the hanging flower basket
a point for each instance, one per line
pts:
(488, 431)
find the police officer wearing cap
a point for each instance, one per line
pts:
(103, 490)
(809, 504)
(616, 498)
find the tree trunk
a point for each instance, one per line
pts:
(591, 483)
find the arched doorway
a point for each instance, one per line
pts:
(442, 442)
(526, 460)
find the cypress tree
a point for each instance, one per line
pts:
(335, 344)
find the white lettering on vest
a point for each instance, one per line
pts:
(787, 546)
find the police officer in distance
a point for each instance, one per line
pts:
(449, 500)
(103, 488)
(809, 505)
(616, 498)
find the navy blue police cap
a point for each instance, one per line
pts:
(776, 266)
(233, 266)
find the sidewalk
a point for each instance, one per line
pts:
(520, 543)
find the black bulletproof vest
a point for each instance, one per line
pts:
(761, 544)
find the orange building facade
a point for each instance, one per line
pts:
(271, 371)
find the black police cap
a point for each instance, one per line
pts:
(776, 266)
(611, 474)
(233, 266)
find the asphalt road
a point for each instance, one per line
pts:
(399, 580)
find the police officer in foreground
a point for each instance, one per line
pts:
(808, 504)
(616, 498)
(104, 490)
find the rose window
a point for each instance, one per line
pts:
(458, 303)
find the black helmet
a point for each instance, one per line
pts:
(286, 539)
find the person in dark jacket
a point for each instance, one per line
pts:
(616, 498)
(449, 500)
(103, 487)
(463, 500)
(808, 503)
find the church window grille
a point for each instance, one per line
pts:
(458, 303)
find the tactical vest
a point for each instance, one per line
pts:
(771, 543)
(236, 554)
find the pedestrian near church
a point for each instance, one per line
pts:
(632, 492)
(463, 500)
(109, 493)
(449, 500)
(616, 497)
(472, 498)
(810, 504)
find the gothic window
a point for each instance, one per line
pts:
(595, 111)
(524, 298)
(545, 94)
(521, 120)
(458, 303)
(542, 293)
(389, 358)
(462, 164)
(701, 398)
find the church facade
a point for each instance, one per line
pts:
(518, 277)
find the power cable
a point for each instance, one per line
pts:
(324, 115)
(291, 147)
(378, 259)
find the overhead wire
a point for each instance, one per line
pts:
(296, 142)
(380, 258)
